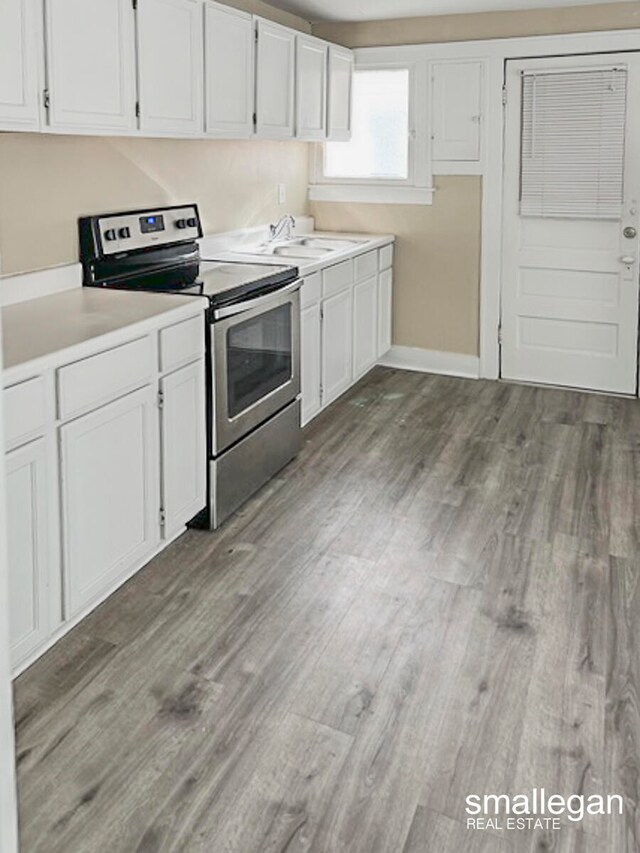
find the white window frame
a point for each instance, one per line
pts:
(417, 188)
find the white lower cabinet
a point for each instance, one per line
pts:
(110, 495)
(29, 548)
(365, 326)
(337, 337)
(385, 287)
(310, 326)
(345, 323)
(183, 437)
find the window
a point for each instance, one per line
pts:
(379, 147)
(572, 156)
(387, 158)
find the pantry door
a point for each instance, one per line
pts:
(570, 222)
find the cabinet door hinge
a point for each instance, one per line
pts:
(46, 100)
(161, 399)
(134, 3)
(500, 335)
(504, 96)
(254, 118)
(162, 515)
(137, 109)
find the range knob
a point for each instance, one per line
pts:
(110, 234)
(124, 233)
(192, 222)
(181, 223)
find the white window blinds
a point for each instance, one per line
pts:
(572, 149)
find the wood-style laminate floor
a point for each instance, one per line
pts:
(439, 597)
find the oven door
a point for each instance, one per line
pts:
(256, 363)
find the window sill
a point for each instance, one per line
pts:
(371, 194)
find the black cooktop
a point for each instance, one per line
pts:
(227, 282)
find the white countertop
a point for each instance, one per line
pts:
(366, 243)
(77, 322)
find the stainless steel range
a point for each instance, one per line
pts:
(253, 339)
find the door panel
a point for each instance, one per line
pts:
(569, 300)
(19, 50)
(171, 63)
(337, 345)
(311, 88)
(275, 81)
(90, 64)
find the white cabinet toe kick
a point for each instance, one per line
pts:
(106, 463)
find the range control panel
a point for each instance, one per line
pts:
(124, 232)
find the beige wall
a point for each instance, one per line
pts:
(483, 25)
(47, 182)
(437, 261)
(258, 7)
(437, 277)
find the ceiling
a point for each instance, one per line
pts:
(369, 10)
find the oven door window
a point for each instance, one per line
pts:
(259, 358)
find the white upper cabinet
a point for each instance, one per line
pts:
(90, 65)
(20, 50)
(229, 84)
(456, 110)
(171, 67)
(275, 81)
(311, 88)
(339, 99)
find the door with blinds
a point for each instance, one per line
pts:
(571, 219)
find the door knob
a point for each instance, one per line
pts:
(630, 232)
(627, 260)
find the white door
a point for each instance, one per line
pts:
(110, 495)
(19, 56)
(229, 84)
(28, 547)
(571, 202)
(90, 65)
(456, 91)
(275, 81)
(340, 87)
(310, 361)
(337, 344)
(184, 446)
(365, 325)
(311, 88)
(385, 286)
(171, 67)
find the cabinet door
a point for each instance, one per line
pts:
(110, 500)
(340, 94)
(19, 56)
(456, 110)
(365, 326)
(337, 341)
(184, 447)
(275, 63)
(311, 88)
(228, 71)
(90, 65)
(385, 281)
(171, 66)
(310, 361)
(28, 547)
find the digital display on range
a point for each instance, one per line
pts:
(149, 224)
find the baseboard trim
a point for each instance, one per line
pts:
(432, 361)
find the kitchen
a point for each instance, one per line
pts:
(302, 499)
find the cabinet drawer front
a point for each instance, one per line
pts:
(366, 265)
(311, 290)
(96, 380)
(337, 278)
(25, 411)
(386, 257)
(181, 343)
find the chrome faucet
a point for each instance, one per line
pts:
(286, 224)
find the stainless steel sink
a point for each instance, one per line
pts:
(301, 248)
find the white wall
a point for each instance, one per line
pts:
(8, 819)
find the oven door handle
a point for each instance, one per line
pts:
(241, 307)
